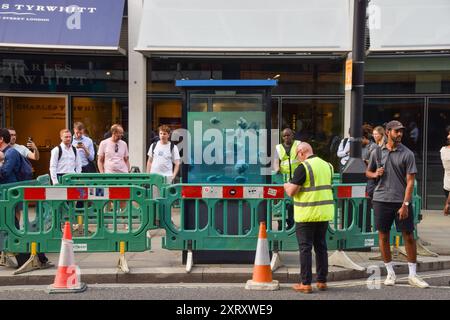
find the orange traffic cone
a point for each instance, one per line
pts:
(262, 274)
(67, 278)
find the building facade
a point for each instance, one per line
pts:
(307, 44)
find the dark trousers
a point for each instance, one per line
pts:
(311, 234)
(289, 218)
(89, 168)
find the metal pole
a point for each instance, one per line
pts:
(354, 171)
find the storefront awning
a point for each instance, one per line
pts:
(409, 25)
(61, 24)
(245, 26)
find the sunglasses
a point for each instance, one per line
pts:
(116, 148)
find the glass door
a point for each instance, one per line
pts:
(438, 121)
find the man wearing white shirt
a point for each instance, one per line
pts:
(64, 158)
(344, 151)
(163, 157)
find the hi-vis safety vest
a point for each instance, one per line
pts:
(288, 163)
(314, 201)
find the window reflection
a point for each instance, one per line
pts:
(316, 121)
(98, 114)
(409, 111)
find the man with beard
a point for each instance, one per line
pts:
(392, 196)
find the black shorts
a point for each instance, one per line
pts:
(385, 213)
(446, 194)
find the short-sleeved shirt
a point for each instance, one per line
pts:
(114, 161)
(162, 158)
(397, 164)
(299, 177)
(22, 149)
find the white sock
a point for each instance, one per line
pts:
(389, 267)
(412, 269)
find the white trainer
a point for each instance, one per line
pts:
(390, 279)
(416, 281)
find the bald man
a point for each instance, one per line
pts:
(312, 195)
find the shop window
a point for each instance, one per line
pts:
(159, 112)
(99, 113)
(40, 118)
(316, 121)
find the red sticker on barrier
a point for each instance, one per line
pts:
(34, 194)
(191, 192)
(273, 192)
(233, 192)
(119, 193)
(344, 192)
(77, 193)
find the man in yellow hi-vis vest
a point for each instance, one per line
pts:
(312, 194)
(286, 162)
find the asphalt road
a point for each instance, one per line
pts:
(350, 290)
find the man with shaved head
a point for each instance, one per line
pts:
(285, 162)
(312, 194)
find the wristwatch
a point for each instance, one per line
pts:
(406, 203)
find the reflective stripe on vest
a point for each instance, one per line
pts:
(285, 159)
(314, 202)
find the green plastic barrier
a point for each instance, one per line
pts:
(43, 180)
(40, 181)
(103, 220)
(149, 181)
(211, 229)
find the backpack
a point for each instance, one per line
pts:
(25, 169)
(60, 152)
(153, 146)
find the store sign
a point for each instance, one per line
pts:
(17, 72)
(61, 23)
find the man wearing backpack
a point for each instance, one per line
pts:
(64, 158)
(163, 156)
(343, 152)
(15, 169)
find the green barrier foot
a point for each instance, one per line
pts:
(267, 286)
(6, 261)
(189, 261)
(123, 264)
(33, 263)
(397, 254)
(340, 259)
(422, 251)
(276, 261)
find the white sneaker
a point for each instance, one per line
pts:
(390, 279)
(416, 281)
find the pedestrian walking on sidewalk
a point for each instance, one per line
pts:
(445, 157)
(395, 171)
(313, 209)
